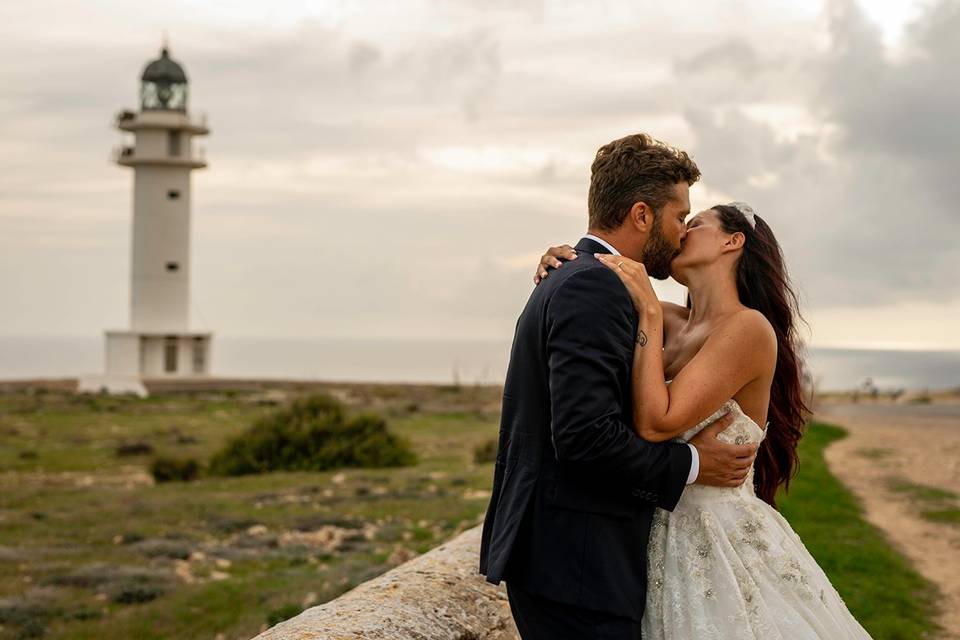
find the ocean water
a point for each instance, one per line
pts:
(441, 361)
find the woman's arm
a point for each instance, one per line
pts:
(736, 353)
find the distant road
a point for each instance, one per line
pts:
(889, 410)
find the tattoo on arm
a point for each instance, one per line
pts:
(641, 338)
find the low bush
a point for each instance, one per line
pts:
(485, 452)
(28, 617)
(135, 592)
(282, 613)
(166, 469)
(312, 434)
(164, 548)
(133, 449)
(123, 584)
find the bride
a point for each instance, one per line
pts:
(725, 564)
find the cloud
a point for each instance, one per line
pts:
(391, 176)
(363, 56)
(732, 54)
(866, 206)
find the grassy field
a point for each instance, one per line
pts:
(934, 504)
(885, 594)
(91, 548)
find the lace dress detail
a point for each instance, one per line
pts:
(724, 565)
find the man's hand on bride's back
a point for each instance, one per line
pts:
(552, 259)
(722, 464)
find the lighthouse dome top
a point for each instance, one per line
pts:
(163, 85)
(164, 70)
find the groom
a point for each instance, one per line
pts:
(574, 488)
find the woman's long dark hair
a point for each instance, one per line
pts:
(763, 284)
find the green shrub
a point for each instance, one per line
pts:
(485, 452)
(134, 592)
(282, 613)
(164, 548)
(174, 469)
(123, 582)
(312, 434)
(133, 449)
(29, 617)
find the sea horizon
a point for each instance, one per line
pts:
(445, 361)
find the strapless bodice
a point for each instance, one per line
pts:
(743, 430)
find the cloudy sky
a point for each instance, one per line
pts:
(394, 169)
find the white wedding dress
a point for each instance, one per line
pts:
(724, 565)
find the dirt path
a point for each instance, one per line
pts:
(902, 461)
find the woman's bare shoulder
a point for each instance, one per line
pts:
(749, 327)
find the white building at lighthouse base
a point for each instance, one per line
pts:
(133, 358)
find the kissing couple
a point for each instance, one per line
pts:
(634, 486)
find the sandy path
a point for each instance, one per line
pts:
(919, 444)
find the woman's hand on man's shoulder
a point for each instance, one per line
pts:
(553, 259)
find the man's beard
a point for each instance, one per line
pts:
(658, 254)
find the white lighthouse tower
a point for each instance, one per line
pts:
(159, 343)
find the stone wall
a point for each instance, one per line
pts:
(437, 596)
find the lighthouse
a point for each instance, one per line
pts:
(159, 343)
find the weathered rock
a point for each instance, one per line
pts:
(437, 596)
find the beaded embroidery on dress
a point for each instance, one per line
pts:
(724, 565)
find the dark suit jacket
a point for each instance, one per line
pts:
(574, 487)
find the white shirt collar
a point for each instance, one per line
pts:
(603, 242)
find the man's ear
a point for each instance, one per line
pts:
(641, 216)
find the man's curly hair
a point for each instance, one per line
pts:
(635, 168)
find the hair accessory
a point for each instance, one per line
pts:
(747, 212)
